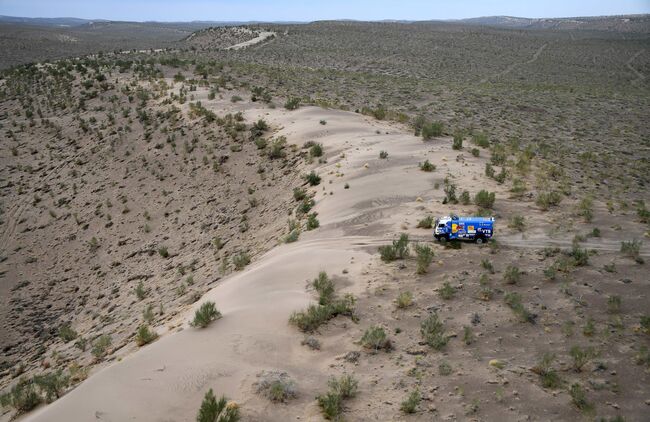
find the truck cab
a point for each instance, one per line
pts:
(453, 227)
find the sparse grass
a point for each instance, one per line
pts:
(484, 199)
(433, 332)
(205, 314)
(614, 304)
(632, 249)
(487, 264)
(163, 251)
(445, 369)
(324, 286)
(292, 103)
(457, 143)
(275, 386)
(513, 300)
(411, 403)
(213, 410)
(546, 200)
(316, 315)
(312, 221)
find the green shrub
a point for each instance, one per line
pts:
(206, 313)
(548, 376)
(52, 384)
(425, 223)
(276, 386)
(144, 335)
(306, 205)
(457, 142)
(545, 200)
(450, 193)
(299, 194)
(312, 178)
(631, 249)
(447, 292)
(404, 300)
(484, 199)
(481, 140)
(241, 260)
(213, 410)
(162, 251)
(375, 339)
(468, 335)
(23, 396)
(324, 286)
(431, 130)
(427, 166)
(489, 170)
(312, 221)
(579, 397)
(383, 155)
(411, 403)
(499, 155)
(475, 152)
(331, 403)
(614, 304)
(66, 333)
(316, 150)
(581, 356)
(292, 103)
(398, 250)
(316, 315)
(585, 209)
(580, 256)
(424, 257)
(487, 264)
(292, 236)
(101, 345)
(432, 331)
(444, 368)
(140, 291)
(465, 198)
(276, 148)
(513, 300)
(512, 275)
(236, 99)
(517, 222)
(645, 323)
(589, 328)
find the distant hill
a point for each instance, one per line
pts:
(70, 22)
(624, 23)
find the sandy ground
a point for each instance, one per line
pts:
(166, 380)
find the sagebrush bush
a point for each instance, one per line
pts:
(433, 333)
(447, 292)
(424, 255)
(241, 260)
(383, 155)
(581, 356)
(316, 315)
(431, 130)
(427, 166)
(275, 386)
(144, 335)
(324, 286)
(213, 410)
(292, 103)
(404, 299)
(411, 403)
(457, 143)
(398, 250)
(545, 200)
(485, 199)
(206, 313)
(425, 223)
(512, 274)
(548, 376)
(375, 339)
(23, 396)
(312, 221)
(331, 403)
(101, 345)
(67, 333)
(517, 222)
(312, 178)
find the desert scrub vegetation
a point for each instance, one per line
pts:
(341, 389)
(67, 333)
(101, 346)
(426, 222)
(548, 376)
(518, 223)
(427, 166)
(512, 274)
(276, 386)
(398, 250)
(546, 200)
(433, 332)
(383, 155)
(632, 249)
(26, 394)
(206, 313)
(579, 398)
(430, 130)
(404, 300)
(581, 356)
(513, 300)
(375, 339)
(312, 178)
(457, 143)
(213, 410)
(447, 291)
(410, 404)
(145, 335)
(292, 103)
(241, 260)
(328, 306)
(424, 256)
(484, 199)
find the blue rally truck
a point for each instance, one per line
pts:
(453, 227)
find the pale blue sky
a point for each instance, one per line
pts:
(305, 10)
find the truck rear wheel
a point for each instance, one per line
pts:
(480, 240)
